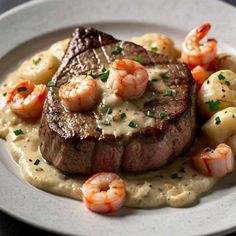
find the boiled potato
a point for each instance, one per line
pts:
(217, 92)
(58, 49)
(40, 68)
(221, 127)
(159, 43)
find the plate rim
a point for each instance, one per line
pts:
(8, 14)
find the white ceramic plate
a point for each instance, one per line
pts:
(36, 25)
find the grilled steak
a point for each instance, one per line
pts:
(73, 143)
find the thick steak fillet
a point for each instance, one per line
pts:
(73, 143)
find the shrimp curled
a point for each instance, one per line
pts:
(128, 78)
(104, 192)
(27, 99)
(193, 52)
(80, 93)
(216, 163)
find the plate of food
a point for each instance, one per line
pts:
(115, 117)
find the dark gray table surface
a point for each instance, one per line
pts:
(8, 225)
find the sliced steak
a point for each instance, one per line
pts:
(73, 143)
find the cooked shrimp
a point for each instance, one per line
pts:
(80, 94)
(215, 163)
(195, 53)
(27, 99)
(200, 74)
(128, 78)
(104, 192)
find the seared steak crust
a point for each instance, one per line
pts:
(73, 143)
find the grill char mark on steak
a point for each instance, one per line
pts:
(72, 142)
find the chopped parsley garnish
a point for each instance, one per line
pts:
(91, 73)
(122, 115)
(150, 114)
(18, 132)
(221, 77)
(133, 124)
(154, 49)
(164, 116)
(51, 84)
(176, 176)
(217, 120)
(22, 89)
(36, 162)
(227, 83)
(169, 93)
(213, 105)
(164, 75)
(109, 110)
(36, 62)
(4, 94)
(104, 75)
(117, 51)
(138, 59)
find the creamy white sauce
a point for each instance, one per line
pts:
(113, 124)
(175, 185)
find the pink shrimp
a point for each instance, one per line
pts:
(128, 78)
(195, 53)
(27, 99)
(80, 94)
(104, 192)
(216, 163)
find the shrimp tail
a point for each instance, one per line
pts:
(202, 31)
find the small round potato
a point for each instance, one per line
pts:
(40, 68)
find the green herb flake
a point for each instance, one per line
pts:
(213, 105)
(133, 124)
(169, 93)
(221, 77)
(18, 132)
(4, 94)
(164, 116)
(138, 59)
(109, 110)
(104, 75)
(91, 73)
(21, 89)
(123, 115)
(176, 176)
(117, 51)
(51, 84)
(36, 62)
(150, 114)
(217, 120)
(164, 75)
(36, 162)
(227, 83)
(154, 49)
